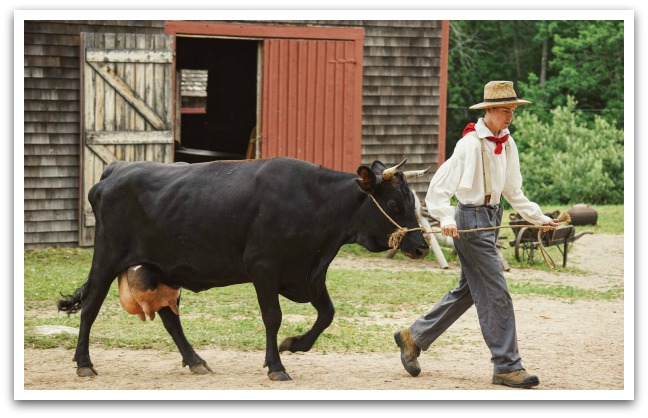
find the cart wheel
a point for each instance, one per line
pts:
(518, 238)
(523, 249)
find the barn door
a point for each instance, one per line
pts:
(127, 107)
(312, 101)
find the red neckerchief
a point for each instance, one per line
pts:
(499, 141)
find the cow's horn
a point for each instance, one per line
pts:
(389, 172)
(416, 173)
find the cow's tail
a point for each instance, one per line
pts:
(71, 303)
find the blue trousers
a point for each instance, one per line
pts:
(481, 283)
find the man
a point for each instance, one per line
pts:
(484, 167)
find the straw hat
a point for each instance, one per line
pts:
(499, 93)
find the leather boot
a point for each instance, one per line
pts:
(517, 379)
(409, 351)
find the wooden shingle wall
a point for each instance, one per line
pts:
(401, 94)
(51, 136)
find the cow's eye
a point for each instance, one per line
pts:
(392, 205)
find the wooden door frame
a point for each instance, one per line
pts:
(262, 32)
(244, 30)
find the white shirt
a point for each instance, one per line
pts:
(462, 175)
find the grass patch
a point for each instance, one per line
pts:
(565, 292)
(54, 269)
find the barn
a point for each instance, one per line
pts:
(337, 93)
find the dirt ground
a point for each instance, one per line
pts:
(570, 345)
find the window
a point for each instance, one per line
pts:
(193, 91)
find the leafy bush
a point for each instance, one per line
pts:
(564, 161)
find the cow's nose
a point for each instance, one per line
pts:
(421, 252)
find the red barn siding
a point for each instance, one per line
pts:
(312, 101)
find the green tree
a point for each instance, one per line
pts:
(565, 161)
(586, 62)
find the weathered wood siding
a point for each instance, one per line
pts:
(402, 83)
(52, 124)
(401, 94)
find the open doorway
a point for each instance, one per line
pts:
(217, 82)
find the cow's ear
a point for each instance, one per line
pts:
(367, 180)
(378, 167)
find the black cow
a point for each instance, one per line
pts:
(276, 223)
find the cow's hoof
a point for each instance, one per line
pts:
(279, 376)
(200, 369)
(86, 372)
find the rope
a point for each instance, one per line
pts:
(397, 236)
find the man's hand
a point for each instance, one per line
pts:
(549, 226)
(450, 231)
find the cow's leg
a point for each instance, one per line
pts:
(268, 297)
(173, 326)
(94, 293)
(325, 312)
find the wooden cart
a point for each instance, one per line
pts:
(526, 240)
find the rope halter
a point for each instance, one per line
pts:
(388, 174)
(397, 236)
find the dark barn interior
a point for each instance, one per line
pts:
(218, 125)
